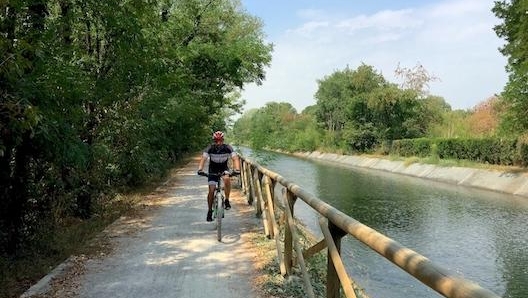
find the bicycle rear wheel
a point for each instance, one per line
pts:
(219, 214)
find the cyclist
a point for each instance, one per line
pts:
(218, 154)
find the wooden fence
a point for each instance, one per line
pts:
(258, 183)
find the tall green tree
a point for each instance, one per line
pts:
(514, 30)
(344, 89)
(271, 124)
(242, 128)
(395, 113)
(364, 109)
(277, 125)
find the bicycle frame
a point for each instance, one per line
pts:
(218, 202)
(218, 206)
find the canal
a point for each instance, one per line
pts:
(478, 235)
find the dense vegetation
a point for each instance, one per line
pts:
(103, 96)
(514, 30)
(358, 110)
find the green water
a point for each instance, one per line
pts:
(479, 235)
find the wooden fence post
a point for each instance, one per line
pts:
(270, 210)
(249, 184)
(288, 238)
(243, 176)
(333, 285)
(261, 204)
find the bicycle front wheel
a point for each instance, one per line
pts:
(219, 215)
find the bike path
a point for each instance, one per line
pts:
(168, 250)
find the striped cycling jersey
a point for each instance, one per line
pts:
(218, 156)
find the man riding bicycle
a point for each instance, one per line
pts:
(218, 154)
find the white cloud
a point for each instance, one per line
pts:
(381, 21)
(308, 28)
(461, 9)
(453, 40)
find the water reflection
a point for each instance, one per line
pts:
(479, 235)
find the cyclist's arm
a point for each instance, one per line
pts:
(202, 161)
(236, 161)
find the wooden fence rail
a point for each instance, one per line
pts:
(258, 183)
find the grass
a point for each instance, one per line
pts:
(270, 281)
(435, 160)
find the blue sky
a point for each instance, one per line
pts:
(453, 39)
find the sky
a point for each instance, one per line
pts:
(452, 39)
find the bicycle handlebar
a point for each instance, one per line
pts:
(230, 174)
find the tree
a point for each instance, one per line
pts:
(364, 109)
(483, 120)
(341, 89)
(331, 100)
(277, 125)
(514, 29)
(416, 78)
(242, 127)
(272, 123)
(395, 113)
(454, 124)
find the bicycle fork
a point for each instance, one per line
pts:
(218, 205)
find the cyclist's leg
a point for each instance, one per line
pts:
(210, 195)
(227, 190)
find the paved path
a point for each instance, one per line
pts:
(168, 250)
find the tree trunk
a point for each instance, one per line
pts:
(17, 195)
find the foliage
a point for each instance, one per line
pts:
(522, 150)
(435, 113)
(101, 96)
(370, 110)
(356, 110)
(486, 150)
(514, 30)
(497, 151)
(341, 96)
(452, 124)
(484, 120)
(277, 126)
(412, 147)
(363, 139)
(395, 113)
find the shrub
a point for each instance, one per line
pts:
(412, 147)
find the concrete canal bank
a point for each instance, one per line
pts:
(510, 182)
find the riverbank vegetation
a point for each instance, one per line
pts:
(385, 120)
(358, 111)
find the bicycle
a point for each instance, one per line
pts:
(218, 200)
